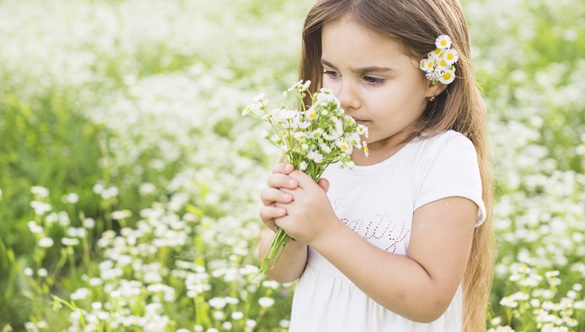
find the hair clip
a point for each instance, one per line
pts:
(439, 64)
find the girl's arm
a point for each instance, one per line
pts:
(419, 286)
(291, 263)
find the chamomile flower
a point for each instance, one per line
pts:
(285, 114)
(303, 125)
(318, 158)
(266, 302)
(442, 64)
(325, 148)
(439, 64)
(259, 97)
(251, 108)
(331, 136)
(508, 301)
(311, 114)
(443, 42)
(45, 242)
(344, 145)
(362, 130)
(304, 165)
(299, 135)
(296, 85)
(355, 140)
(315, 134)
(447, 76)
(450, 56)
(427, 64)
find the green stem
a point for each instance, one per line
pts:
(274, 251)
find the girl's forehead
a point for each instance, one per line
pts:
(347, 35)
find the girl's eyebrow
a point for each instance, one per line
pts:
(361, 70)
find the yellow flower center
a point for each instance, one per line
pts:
(450, 56)
(447, 76)
(313, 115)
(443, 43)
(443, 63)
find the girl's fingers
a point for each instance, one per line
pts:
(324, 184)
(269, 213)
(269, 196)
(282, 168)
(278, 180)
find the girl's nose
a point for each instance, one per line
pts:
(348, 96)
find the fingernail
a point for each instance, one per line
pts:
(288, 167)
(293, 182)
(288, 197)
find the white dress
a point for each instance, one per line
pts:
(378, 203)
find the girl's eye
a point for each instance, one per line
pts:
(331, 73)
(373, 80)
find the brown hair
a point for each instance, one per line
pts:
(415, 24)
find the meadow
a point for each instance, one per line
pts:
(129, 181)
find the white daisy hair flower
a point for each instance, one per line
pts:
(439, 65)
(443, 42)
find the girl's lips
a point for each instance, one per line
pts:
(358, 120)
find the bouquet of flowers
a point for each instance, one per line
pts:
(311, 138)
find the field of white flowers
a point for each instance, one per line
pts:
(129, 181)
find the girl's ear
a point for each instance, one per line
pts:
(433, 90)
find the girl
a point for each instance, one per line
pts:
(403, 240)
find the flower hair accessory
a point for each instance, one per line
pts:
(439, 64)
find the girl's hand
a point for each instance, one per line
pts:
(280, 179)
(272, 195)
(309, 214)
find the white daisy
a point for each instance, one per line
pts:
(443, 42)
(316, 133)
(299, 135)
(447, 77)
(259, 97)
(451, 56)
(311, 113)
(362, 130)
(304, 165)
(325, 148)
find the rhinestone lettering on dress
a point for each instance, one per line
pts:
(386, 233)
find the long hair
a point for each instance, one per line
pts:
(415, 24)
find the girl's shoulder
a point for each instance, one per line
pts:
(448, 139)
(447, 144)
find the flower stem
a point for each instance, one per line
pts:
(276, 248)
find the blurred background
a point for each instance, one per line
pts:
(129, 180)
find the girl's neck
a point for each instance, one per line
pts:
(378, 154)
(383, 149)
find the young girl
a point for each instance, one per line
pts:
(403, 240)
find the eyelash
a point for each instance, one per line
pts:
(330, 73)
(373, 80)
(369, 80)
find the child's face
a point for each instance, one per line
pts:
(377, 84)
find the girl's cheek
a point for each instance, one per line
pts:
(330, 83)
